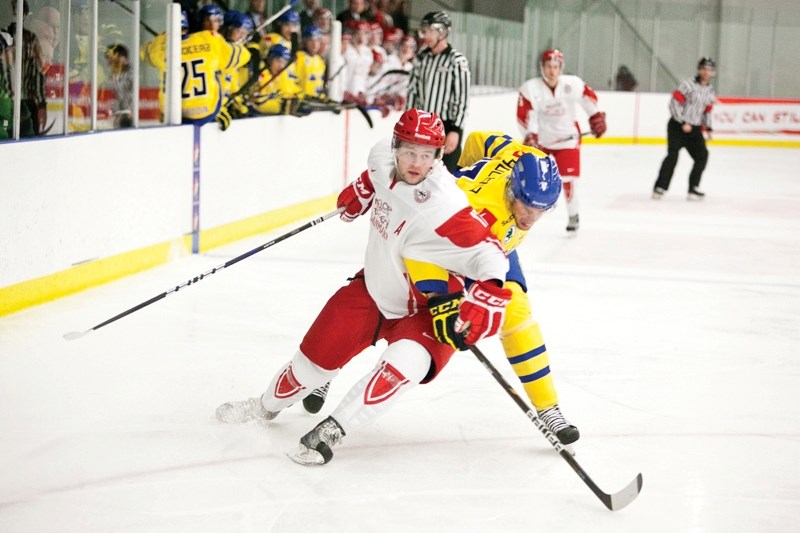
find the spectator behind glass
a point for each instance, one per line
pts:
(6, 95)
(625, 80)
(255, 10)
(353, 12)
(399, 12)
(120, 80)
(33, 115)
(307, 8)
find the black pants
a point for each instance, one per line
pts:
(695, 144)
(451, 160)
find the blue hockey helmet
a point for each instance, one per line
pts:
(212, 11)
(184, 20)
(237, 19)
(312, 32)
(290, 17)
(279, 51)
(536, 181)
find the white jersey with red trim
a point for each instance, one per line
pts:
(550, 113)
(430, 222)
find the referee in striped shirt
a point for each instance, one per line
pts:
(440, 82)
(690, 108)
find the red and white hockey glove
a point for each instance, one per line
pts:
(597, 123)
(356, 198)
(482, 311)
(532, 139)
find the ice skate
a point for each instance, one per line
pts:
(695, 194)
(573, 224)
(244, 411)
(559, 426)
(658, 193)
(314, 401)
(315, 446)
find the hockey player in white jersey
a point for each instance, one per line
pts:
(546, 116)
(417, 213)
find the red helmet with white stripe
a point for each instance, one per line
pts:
(419, 127)
(554, 56)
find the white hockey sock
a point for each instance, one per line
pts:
(571, 195)
(401, 367)
(295, 381)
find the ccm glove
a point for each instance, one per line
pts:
(597, 123)
(481, 313)
(356, 198)
(444, 310)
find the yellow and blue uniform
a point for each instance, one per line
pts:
(204, 58)
(486, 162)
(270, 94)
(310, 71)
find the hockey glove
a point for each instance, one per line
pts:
(597, 123)
(223, 118)
(444, 310)
(356, 198)
(482, 311)
(532, 139)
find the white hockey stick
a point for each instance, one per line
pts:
(613, 502)
(72, 335)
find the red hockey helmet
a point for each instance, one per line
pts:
(420, 127)
(554, 56)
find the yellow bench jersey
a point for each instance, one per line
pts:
(204, 57)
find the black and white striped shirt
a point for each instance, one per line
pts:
(440, 84)
(691, 103)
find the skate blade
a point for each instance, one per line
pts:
(306, 456)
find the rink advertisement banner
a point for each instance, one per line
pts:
(756, 115)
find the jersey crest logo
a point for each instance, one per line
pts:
(509, 234)
(384, 384)
(421, 196)
(287, 385)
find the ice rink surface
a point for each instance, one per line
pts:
(673, 329)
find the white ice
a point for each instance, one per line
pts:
(674, 334)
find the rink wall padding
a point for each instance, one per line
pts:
(87, 209)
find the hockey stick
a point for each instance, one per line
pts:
(268, 21)
(78, 334)
(397, 71)
(570, 138)
(613, 502)
(254, 79)
(336, 107)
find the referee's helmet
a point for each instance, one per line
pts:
(438, 20)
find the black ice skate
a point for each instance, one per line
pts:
(695, 194)
(314, 401)
(556, 423)
(658, 192)
(315, 446)
(573, 224)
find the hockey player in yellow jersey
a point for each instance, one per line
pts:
(510, 186)
(205, 55)
(287, 24)
(310, 67)
(277, 86)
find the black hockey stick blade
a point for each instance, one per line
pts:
(365, 113)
